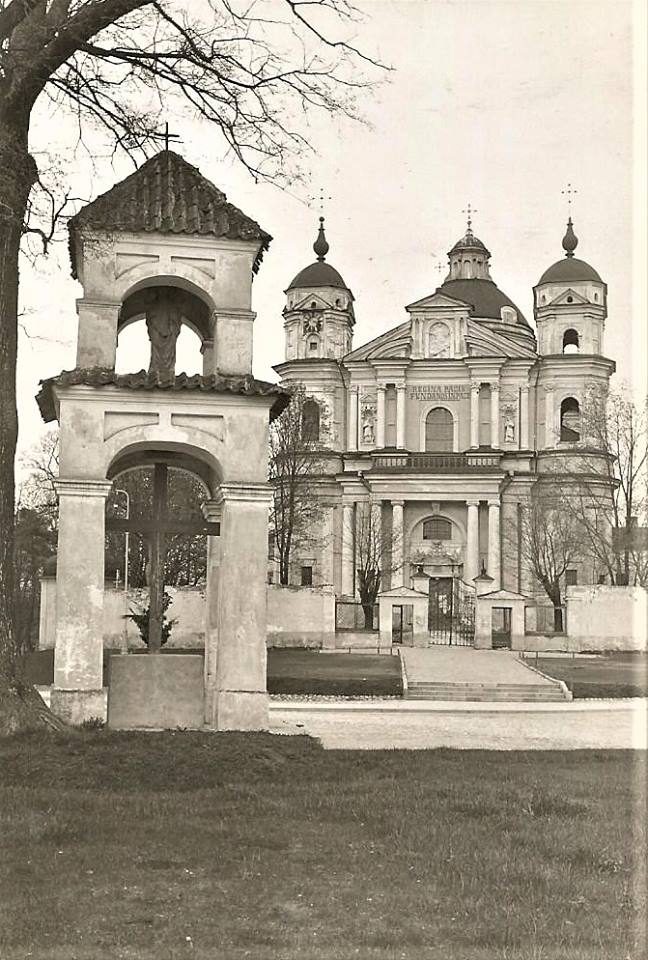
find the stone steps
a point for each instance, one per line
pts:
(498, 692)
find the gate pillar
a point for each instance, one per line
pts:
(237, 696)
(77, 694)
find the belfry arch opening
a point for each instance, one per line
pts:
(162, 327)
(571, 341)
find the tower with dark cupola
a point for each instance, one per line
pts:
(570, 307)
(318, 316)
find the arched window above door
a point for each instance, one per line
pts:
(439, 430)
(437, 529)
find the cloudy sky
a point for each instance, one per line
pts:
(499, 104)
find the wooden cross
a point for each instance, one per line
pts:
(469, 211)
(167, 136)
(156, 531)
(568, 192)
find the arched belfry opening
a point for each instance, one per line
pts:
(163, 329)
(180, 459)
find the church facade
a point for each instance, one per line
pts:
(439, 428)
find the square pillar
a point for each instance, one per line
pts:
(212, 512)
(237, 697)
(397, 576)
(474, 415)
(380, 416)
(232, 331)
(97, 336)
(352, 419)
(494, 415)
(348, 548)
(400, 416)
(550, 433)
(471, 565)
(207, 350)
(494, 542)
(524, 418)
(78, 694)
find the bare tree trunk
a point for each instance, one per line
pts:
(17, 175)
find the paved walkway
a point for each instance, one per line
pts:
(465, 665)
(617, 725)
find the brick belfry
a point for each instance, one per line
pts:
(166, 246)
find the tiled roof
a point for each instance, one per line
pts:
(103, 376)
(167, 195)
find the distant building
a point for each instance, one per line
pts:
(445, 421)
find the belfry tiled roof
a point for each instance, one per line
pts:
(167, 195)
(104, 376)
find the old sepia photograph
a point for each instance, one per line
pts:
(323, 480)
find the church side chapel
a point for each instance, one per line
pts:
(165, 470)
(441, 426)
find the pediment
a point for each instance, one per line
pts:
(440, 301)
(306, 303)
(484, 342)
(568, 298)
(396, 344)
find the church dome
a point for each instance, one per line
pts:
(484, 296)
(469, 242)
(320, 273)
(570, 269)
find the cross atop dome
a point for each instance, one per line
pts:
(469, 212)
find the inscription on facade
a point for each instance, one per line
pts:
(440, 391)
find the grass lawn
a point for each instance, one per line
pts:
(614, 675)
(224, 846)
(339, 674)
(289, 671)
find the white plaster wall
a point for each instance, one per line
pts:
(600, 617)
(301, 616)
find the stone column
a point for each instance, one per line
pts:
(376, 529)
(97, 338)
(397, 577)
(550, 429)
(380, 416)
(524, 418)
(400, 416)
(471, 566)
(238, 698)
(474, 415)
(494, 542)
(352, 419)
(207, 350)
(348, 549)
(212, 512)
(494, 412)
(77, 694)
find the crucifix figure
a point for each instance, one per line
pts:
(156, 529)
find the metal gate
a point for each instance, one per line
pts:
(451, 612)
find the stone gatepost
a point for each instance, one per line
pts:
(78, 692)
(237, 697)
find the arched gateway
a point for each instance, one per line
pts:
(164, 245)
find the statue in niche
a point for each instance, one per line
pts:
(509, 431)
(509, 417)
(163, 323)
(368, 419)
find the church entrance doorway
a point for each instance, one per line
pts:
(451, 612)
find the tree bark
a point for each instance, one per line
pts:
(17, 176)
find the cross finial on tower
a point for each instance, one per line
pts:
(441, 268)
(167, 136)
(569, 192)
(321, 199)
(469, 210)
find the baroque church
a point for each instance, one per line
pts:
(442, 425)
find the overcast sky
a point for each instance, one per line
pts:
(497, 104)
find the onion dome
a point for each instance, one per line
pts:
(320, 273)
(570, 269)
